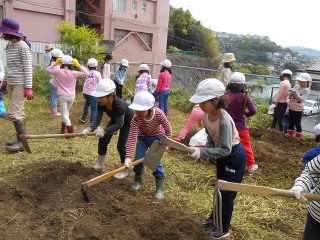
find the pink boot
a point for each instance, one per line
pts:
(298, 135)
(290, 132)
(54, 112)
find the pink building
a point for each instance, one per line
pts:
(135, 29)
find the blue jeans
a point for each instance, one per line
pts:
(143, 143)
(90, 101)
(53, 96)
(163, 100)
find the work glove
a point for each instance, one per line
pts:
(100, 132)
(28, 93)
(196, 154)
(127, 162)
(3, 83)
(57, 62)
(85, 132)
(76, 63)
(297, 193)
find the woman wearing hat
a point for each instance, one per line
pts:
(18, 77)
(47, 54)
(225, 70)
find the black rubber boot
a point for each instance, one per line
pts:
(159, 188)
(20, 129)
(137, 182)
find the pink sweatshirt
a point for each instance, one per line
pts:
(164, 80)
(66, 79)
(283, 93)
(91, 81)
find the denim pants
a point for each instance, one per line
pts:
(122, 142)
(163, 100)
(143, 143)
(231, 169)
(53, 96)
(90, 101)
(312, 229)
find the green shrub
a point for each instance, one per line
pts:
(40, 83)
(261, 119)
(179, 99)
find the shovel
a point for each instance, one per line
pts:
(149, 160)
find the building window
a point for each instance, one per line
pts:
(147, 37)
(119, 35)
(119, 5)
(144, 7)
(134, 5)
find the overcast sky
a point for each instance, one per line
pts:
(288, 23)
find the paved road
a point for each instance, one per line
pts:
(308, 123)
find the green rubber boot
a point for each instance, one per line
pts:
(137, 182)
(159, 189)
(20, 127)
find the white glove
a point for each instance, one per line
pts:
(85, 132)
(297, 193)
(127, 162)
(100, 132)
(196, 153)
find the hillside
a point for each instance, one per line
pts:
(305, 51)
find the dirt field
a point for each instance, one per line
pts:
(43, 200)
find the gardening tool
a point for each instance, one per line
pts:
(128, 90)
(129, 99)
(164, 140)
(24, 137)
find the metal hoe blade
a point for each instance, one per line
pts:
(154, 155)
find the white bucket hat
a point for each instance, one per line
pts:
(316, 129)
(66, 59)
(208, 89)
(228, 57)
(142, 101)
(304, 77)
(286, 71)
(92, 62)
(143, 67)
(125, 62)
(166, 63)
(56, 53)
(237, 78)
(104, 88)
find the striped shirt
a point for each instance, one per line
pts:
(19, 64)
(309, 180)
(143, 83)
(157, 125)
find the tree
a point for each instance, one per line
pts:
(291, 65)
(80, 42)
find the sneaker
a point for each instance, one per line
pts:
(271, 129)
(121, 174)
(252, 168)
(207, 223)
(216, 234)
(81, 120)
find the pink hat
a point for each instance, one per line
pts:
(10, 26)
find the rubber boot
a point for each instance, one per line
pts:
(12, 142)
(159, 189)
(100, 163)
(20, 129)
(122, 174)
(63, 128)
(298, 135)
(137, 182)
(70, 129)
(54, 112)
(290, 132)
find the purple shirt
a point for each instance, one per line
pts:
(236, 106)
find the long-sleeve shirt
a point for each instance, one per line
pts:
(120, 76)
(157, 125)
(19, 64)
(1, 71)
(222, 136)
(106, 70)
(298, 98)
(309, 180)
(119, 115)
(311, 154)
(224, 75)
(283, 92)
(164, 81)
(53, 80)
(143, 83)
(236, 109)
(91, 81)
(66, 79)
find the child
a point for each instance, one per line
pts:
(120, 77)
(223, 144)
(240, 107)
(89, 86)
(66, 84)
(2, 107)
(298, 94)
(225, 70)
(281, 100)
(143, 80)
(148, 124)
(308, 156)
(106, 68)
(120, 117)
(163, 86)
(55, 54)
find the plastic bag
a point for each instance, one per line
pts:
(199, 139)
(2, 108)
(271, 109)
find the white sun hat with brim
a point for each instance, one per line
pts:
(286, 71)
(104, 88)
(166, 63)
(143, 67)
(208, 89)
(67, 60)
(228, 57)
(125, 62)
(56, 53)
(238, 78)
(92, 62)
(142, 101)
(304, 77)
(316, 129)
